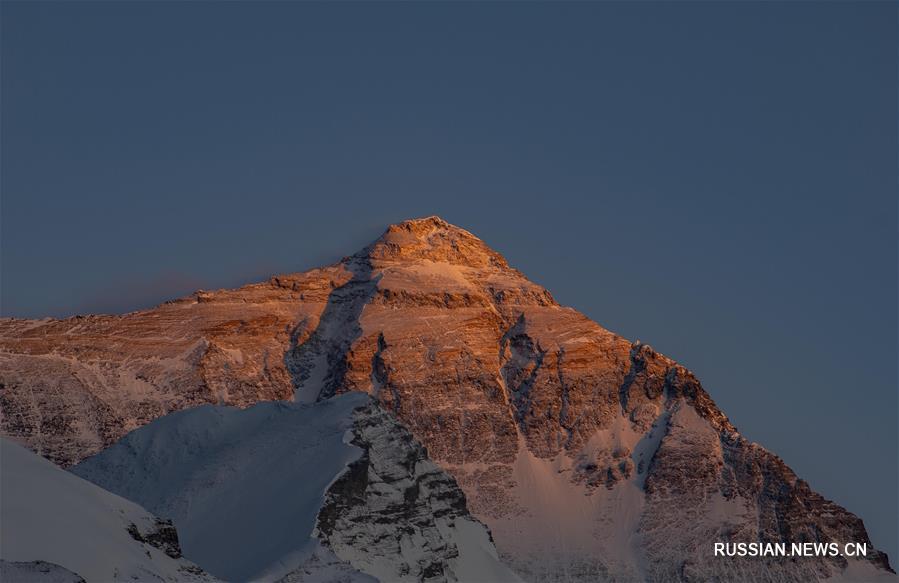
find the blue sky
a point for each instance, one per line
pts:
(716, 179)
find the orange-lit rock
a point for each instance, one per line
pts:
(584, 452)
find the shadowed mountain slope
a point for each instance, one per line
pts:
(589, 456)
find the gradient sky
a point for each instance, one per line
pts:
(716, 179)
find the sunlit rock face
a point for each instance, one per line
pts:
(589, 456)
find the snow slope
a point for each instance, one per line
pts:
(52, 516)
(36, 572)
(588, 455)
(242, 486)
(250, 490)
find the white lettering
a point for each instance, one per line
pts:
(794, 549)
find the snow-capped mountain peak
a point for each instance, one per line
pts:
(585, 454)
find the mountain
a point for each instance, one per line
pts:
(588, 456)
(262, 493)
(58, 527)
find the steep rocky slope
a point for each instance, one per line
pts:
(58, 527)
(587, 455)
(272, 491)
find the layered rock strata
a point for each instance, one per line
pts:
(579, 449)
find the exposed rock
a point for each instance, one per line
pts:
(396, 515)
(161, 534)
(333, 490)
(510, 392)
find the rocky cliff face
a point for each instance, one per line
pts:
(587, 455)
(396, 515)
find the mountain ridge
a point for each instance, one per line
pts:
(511, 393)
(258, 494)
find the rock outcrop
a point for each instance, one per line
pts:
(585, 453)
(396, 515)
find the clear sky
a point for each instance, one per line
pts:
(716, 179)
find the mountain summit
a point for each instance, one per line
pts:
(590, 457)
(433, 239)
